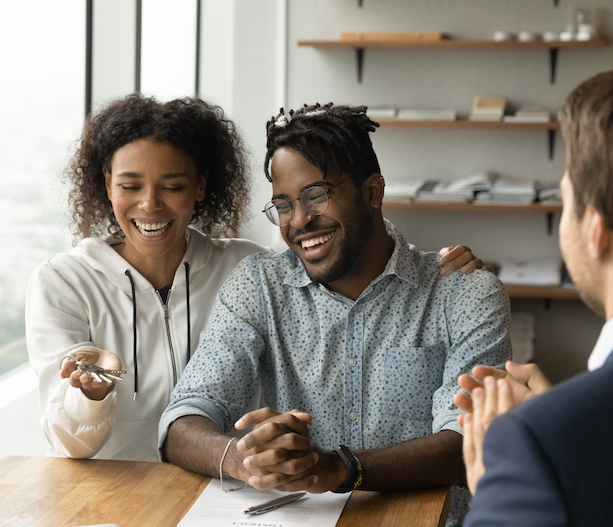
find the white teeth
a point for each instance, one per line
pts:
(316, 241)
(152, 229)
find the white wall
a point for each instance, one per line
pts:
(566, 330)
(257, 91)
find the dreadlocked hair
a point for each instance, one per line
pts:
(323, 135)
(191, 125)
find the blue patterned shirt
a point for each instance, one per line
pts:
(372, 372)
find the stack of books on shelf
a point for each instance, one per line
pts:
(543, 272)
(440, 191)
(529, 115)
(462, 189)
(487, 109)
(381, 113)
(548, 193)
(426, 115)
(506, 191)
(402, 192)
(481, 188)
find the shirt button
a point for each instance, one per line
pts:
(353, 416)
(352, 362)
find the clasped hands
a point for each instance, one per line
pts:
(279, 454)
(492, 392)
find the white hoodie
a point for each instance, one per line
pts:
(85, 298)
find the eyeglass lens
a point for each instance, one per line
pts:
(314, 201)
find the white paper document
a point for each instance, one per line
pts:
(221, 509)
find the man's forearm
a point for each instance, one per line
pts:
(196, 444)
(430, 461)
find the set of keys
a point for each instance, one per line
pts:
(100, 374)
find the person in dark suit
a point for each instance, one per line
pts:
(549, 460)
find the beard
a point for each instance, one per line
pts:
(357, 235)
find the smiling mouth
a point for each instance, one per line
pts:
(152, 229)
(313, 242)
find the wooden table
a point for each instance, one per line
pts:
(58, 492)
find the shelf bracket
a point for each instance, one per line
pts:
(551, 135)
(553, 62)
(549, 223)
(360, 59)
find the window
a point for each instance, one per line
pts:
(168, 48)
(42, 107)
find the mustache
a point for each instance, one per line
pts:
(311, 228)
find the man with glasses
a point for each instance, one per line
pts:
(357, 338)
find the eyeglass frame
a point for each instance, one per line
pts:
(271, 204)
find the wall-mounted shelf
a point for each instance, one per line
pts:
(465, 123)
(549, 210)
(453, 43)
(547, 293)
(471, 207)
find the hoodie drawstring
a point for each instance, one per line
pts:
(134, 331)
(189, 328)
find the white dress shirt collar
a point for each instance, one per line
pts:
(603, 347)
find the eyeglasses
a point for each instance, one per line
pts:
(314, 201)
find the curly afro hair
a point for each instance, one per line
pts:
(192, 125)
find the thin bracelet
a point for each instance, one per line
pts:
(221, 468)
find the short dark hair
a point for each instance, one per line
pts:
(326, 134)
(586, 120)
(192, 125)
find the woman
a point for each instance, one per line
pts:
(165, 182)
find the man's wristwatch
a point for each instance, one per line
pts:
(354, 470)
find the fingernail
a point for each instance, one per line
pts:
(240, 445)
(489, 381)
(316, 457)
(247, 462)
(238, 423)
(478, 393)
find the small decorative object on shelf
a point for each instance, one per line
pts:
(487, 109)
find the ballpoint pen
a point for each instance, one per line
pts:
(274, 504)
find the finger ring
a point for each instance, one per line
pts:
(67, 357)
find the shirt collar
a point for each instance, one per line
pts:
(603, 347)
(400, 264)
